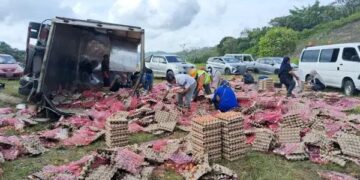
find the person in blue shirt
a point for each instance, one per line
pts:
(224, 97)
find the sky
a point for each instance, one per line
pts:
(170, 25)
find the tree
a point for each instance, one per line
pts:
(7, 49)
(228, 45)
(308, 17)
(349, 6)
(278, 42)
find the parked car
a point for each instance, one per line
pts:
(245, 58)
(9, 68)
(269, 65)
(337, 64)
(226, 65)
(162, 64)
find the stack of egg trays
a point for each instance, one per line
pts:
(233, 137)
(116, 131)
(206, 136)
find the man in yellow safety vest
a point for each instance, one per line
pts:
(203, 80)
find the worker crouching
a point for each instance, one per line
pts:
(203, 81)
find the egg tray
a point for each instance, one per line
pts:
(116, 138)
(233, 158)
(234, 125)
(214, 157)
(203, 129)
(103, 173)
(119, 129)
(252, 109)
(211, 151)
(289, 135)
(206, 120)
(206, 139)
(230, 116)
(292, 121)
(205, 135)
(336, 160)
(297, 157)
(33, 145)
(262, 141)
(213, 143)
(349, 144)
(233, 134)
(234, 143)
(161, 116)
(199, 172)
(236, 152)
(167, 126)
(151, 128)
(116, 144)
(235, 149)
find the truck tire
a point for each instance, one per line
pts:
(349, 87)
(227, 71)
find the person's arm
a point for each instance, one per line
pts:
(201, 80)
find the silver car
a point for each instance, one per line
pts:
(245, 58)
(226, 65)
(162, 64)
(269, 65)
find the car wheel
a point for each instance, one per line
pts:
(256, 70)
(276, 71)
(169, 72)
(227, 71)
(349, 88)
(209, 69)
(308, 79)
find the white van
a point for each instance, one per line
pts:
(337, 64)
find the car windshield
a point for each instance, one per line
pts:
(231, 60)
(277, 60)
(174, 59)
(7, 60)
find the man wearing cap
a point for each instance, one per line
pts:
(203, 80)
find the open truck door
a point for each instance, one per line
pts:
(62, 45)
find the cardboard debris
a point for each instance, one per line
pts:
(116, 131)
(349, 144)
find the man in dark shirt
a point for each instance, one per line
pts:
(105, 69)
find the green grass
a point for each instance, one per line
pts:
(22, 167)
(11, 87)
(269, 166)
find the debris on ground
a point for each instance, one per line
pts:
(314, 126)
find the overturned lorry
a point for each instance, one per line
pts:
(58, 48)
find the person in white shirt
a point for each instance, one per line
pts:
(188, 85)
(317, 81)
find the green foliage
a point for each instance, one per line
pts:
(308, 17)
(228, 45)
(199, 56)
(7, 49)
(278, 42)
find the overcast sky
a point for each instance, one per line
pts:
(168, 24)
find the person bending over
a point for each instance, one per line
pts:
(203, 80)
(317, 81)
(224, 97)
(186, 83)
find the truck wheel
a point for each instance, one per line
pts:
(227, 71)
(276, 71)
(308, 79)
(349, 88)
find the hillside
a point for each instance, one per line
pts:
(340, 31)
